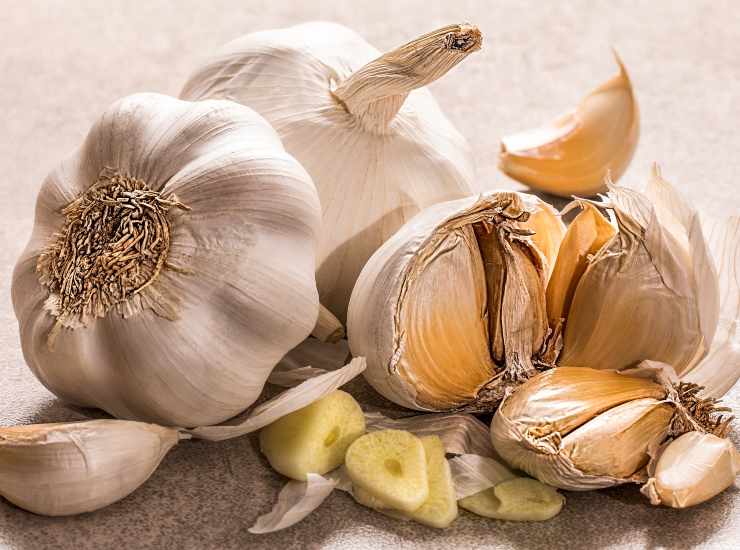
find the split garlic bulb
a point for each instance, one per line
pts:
(577, 152)
(374, 140)
(171, 263)
(579, 428)
(639, 286)
(451, 310)
(71, 468)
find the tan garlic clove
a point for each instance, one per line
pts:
(451, 309)
(692, 469)
(71, 468)
(574, 154)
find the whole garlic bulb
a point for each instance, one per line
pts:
(450, 311)
(578, 428)
(171, 263)
(374, 140)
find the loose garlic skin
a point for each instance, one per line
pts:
(429, 310)
(66, 469)
(576, 153)
(374, 140)
(236, 291)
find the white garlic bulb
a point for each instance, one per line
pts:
(373, 139)
(171, 264)
(451, 310)
(71, 468)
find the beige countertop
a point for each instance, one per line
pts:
(62, 63)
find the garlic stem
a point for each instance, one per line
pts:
(376, 92)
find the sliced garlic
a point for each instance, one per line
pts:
(390, 465)
(451, 309)
(71, 468)
(518, 499)
(313, 439)
(574, 154)
(692, 469)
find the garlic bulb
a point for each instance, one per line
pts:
(692, 469)
(171, 264)
(65, 469)
(451, 310)
(642, 286)
(579, 428)
(574, 154)
(373, 139)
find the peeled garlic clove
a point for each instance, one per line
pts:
(518, 499)
(574, 154)
(586, 235)
(391, 466)
(643, 294)
(361, 122)
(692, 469)
(451, 309)
(440, 508)
(313, 439)
(537, 429)
(71, 468)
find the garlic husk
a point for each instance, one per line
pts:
(451, 309)
(71, 468)
(374, 140)
(581, 429)
(236, 290)
(650, 292)
(574, 154)
(308, 359)
(692, 469)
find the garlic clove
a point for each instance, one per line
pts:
(518, 499)
(691, 469)
(391, 466)
(616, 442)
(313, 439)
(549, 231)
(71, 468)
(586, 235)
(574, 154)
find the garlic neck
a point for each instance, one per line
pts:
(114, 243)
(376, 92)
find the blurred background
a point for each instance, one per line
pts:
(63, 62)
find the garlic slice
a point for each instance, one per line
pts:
(452, 297)
(574, 154)
(692, 469)
(71, 468)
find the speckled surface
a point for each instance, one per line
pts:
(63, 62)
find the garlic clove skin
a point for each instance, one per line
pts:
(431, 315)
(374, 140)
(574, 154)
(72, 468)
(195, 346)
(691, 469)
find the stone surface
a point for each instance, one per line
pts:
(63, 62)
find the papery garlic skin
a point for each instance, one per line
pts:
(576, 153)
(237, 290)
(692, 469)
(650, 292)
(432, 317)
(374, 140)
(581, 429)
(66, 469)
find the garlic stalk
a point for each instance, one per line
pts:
(642, 286)
(374, 140)
(574, 154)
(579, 428)
(451, 310)
(692, 469)
(65, 469)
(171, 264)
